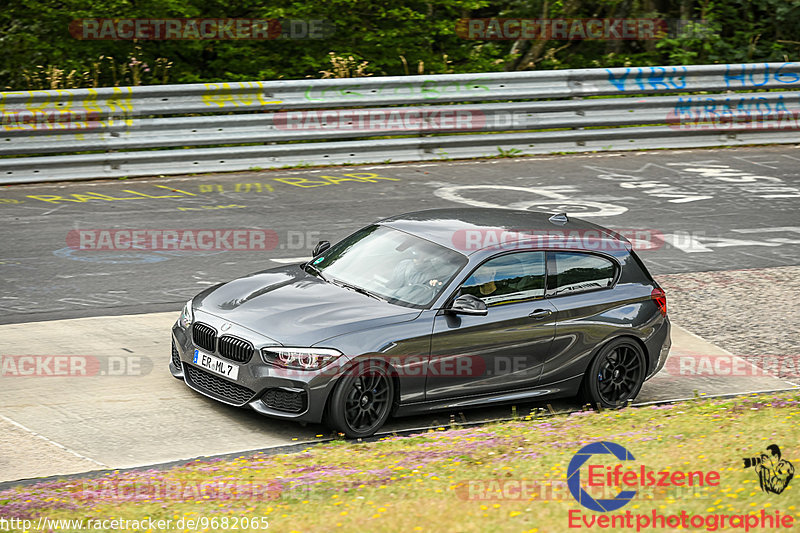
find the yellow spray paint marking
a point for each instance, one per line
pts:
(90, 102)
(120, 100)
(145, 195)
(246, 187)
(4, 96)
(360, 177)
(82, 198)
(237, 187)
(52, 198)
(305, 183)
(222, 94)
(175, 190)
(65, 103)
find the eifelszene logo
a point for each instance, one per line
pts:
(574, 477)
(774, 473)
(615, 476)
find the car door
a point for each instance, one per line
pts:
(579, 285)
(503, 350)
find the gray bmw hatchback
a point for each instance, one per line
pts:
(437, 309)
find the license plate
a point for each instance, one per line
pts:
(216, 365)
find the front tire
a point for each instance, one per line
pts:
(361, 401)
(615, 376)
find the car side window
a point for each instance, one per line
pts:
(508, 278)
(577, 272)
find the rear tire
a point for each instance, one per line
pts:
(361, 401)
(615, 376)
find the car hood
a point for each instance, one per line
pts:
(296, 308)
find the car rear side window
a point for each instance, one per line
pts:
(577, 272)
(508, 278)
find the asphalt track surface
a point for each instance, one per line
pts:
(701, 210)
(724, 209)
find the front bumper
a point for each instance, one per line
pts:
(278, 393)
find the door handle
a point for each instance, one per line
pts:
(541, 313)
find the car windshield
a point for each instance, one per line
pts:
(392, 265)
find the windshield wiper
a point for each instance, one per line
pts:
(315, 271)
(361, 290)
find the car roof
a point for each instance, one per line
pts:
(451, 227)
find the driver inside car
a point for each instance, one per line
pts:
(482, 282)
(485, 278)
(416, 275)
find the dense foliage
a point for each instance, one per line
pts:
(372, 37)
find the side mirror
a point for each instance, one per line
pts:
(320, 247)
(467, 304)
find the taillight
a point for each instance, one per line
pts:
(660, 298)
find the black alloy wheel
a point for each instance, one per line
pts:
(616, 375)
(362, 400)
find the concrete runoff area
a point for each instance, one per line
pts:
(137, 415)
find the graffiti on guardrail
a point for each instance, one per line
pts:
(749, 103)
(752, 75)
(648, 78)
(741, 76)
(426, 88)
(748, 112)
(732, 120)
(546, 108)
(65, 110)
(240, 94)
(120, 100)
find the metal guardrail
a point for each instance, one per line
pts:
(153, 130)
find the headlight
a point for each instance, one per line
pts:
(299, 358)
(186, 315)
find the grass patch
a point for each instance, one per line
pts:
(421, 482)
